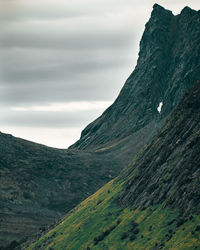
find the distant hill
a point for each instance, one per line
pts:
(39, 184)
(155, 201)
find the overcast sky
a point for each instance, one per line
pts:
(63, 62)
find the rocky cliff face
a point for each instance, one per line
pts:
(169, 169)
(167, 66)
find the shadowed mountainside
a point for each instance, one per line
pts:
(168, 170)
(153, 204)
(39, 184)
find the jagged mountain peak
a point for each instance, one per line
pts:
(158, 9)
(188, 11)
(167, 66)
(160, 20)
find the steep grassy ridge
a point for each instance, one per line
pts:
(99, 223)
(153, 204)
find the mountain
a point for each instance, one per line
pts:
(168, 65)
(40, 184)
(155, 201)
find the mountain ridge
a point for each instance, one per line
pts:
(155, 201)
(163, 60)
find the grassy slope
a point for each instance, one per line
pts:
(108, 220)
(120, 228)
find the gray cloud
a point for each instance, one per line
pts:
(57, 66)
(75, 59)
(47, 10)
(47, 119)
(41, 38)
(96, 87)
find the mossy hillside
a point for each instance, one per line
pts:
(99, 223)
(84, 220)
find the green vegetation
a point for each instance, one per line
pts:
(99, 223)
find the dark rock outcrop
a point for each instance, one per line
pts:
(168, 65)
(168, 170)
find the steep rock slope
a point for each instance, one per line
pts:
(39, 184)
(153, 204)
(169, 169)
(167, 66)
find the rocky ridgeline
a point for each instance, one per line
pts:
(168, 65)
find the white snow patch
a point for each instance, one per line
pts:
(160, 107)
